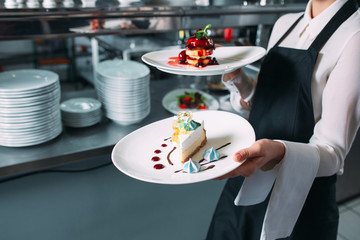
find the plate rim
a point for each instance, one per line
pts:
(203, 72)
(235, 165)
(188, 89)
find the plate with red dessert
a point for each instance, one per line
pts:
(156, 152)
(186, 99)
(202, 58)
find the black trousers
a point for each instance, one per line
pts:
(318, 219)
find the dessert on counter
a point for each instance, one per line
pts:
(191, 100)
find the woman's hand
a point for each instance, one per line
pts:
(264, 154)
(231, 75)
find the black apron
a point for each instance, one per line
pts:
(283, 109)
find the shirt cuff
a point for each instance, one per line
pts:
(239, 104)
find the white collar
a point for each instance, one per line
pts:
(315, 25)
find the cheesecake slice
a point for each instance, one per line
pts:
(189, 136)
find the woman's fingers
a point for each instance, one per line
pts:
(251, 152)
(264, 154)
(246, 169)
(241, 155)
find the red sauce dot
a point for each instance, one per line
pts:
(164, 145)
(158, 166)
(157, 151)
(155, 159)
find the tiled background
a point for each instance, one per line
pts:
(349, 228)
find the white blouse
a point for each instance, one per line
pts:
(336, 102)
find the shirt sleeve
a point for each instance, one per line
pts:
(335, 132)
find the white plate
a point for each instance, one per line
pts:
(191, 73)
(29, 94)
(73, 116)
(31, 141)
(118, 104)
(28, 109)
(122, 94)
(34, 100)
(170, 101)
(123, 80)
(30, 104)
(80, 105)
(122, 70)
(30, 125)
(26, 80)
(133, 154)
(28, 119)
(127, 116)
(229, 58)
(29, 114)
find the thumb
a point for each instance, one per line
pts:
(241, 155)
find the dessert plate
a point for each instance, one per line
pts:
(229, 59)
(134, 154)
(170, 101)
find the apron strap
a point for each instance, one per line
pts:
(289, 30)
(344, 13)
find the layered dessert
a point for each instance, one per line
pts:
(198, 49)
(189, 136)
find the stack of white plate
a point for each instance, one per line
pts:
(123, 87)
(29, 107)
(80, 112)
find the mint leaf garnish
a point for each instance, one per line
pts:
(202, 33)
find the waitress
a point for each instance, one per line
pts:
(305, 111)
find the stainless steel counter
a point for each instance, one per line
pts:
(76, 144)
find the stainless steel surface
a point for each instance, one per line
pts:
(25, 23)
(79, 144)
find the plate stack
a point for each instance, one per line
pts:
(80, 112)
(123, 87)
(29, 107)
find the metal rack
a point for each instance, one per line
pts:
(25, 23)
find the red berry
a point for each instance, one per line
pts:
(187, 99)
(203, 107)
(182, 106)
(182, 57)
(205, 43)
